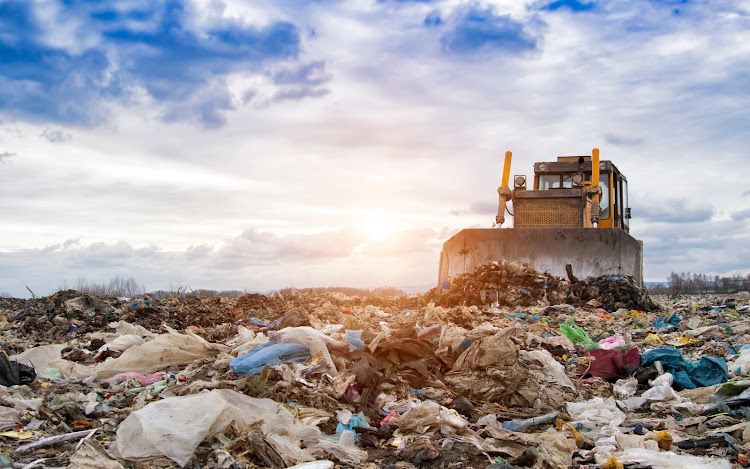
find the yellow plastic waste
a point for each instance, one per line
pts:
(579, 439)
(612, 463)
(19, 435)
(682, 341)
(664, 440)
(653, 340)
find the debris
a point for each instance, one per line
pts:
(505, 367)
(687, 375)
(269, 354)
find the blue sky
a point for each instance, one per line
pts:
(257, 145)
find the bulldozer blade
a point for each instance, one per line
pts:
(590, 252)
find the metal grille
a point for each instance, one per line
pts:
(548, 213)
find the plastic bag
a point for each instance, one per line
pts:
(625, 388)
(354, 339)
(174, 428)
(600, 412)
(165, 350)
(48, 357)
(670, 460)
(740, 365)
(688, 375)
(121, 343)
(553, 370)
(313, 338)
(431, 417)
(270, 354)
(613, 342)
(577, 335)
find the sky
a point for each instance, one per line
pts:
(255, 145)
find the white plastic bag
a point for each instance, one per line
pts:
(313, 338)
(624, 388)
(174, 428)
(600, 412)
(670, 460)
(165, 350)
(553, 370)
(48, 357)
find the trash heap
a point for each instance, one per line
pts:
(546, 379)
(518, 284)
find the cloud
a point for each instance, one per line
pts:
(478, 208)
(573, 5)
(55, 136)
(261, 247)
(707, 247)
(474, 28)
(674, 211)
(741, 215)
(6, 154)
(746, 193)
(433, 19)
(621, 140)
(62, 64)
(303, 81)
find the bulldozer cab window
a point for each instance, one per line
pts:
(555, 181)
(604, 212)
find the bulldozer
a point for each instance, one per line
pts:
(574, 222)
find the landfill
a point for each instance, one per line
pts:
(499, 368)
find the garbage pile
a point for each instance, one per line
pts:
(518, 284)
(325, 380)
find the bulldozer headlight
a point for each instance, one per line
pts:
(542, 167)
(519, 181)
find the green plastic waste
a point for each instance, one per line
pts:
(578, 336)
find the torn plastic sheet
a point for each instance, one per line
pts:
(163, 351)
(670, 460)
(172, 428)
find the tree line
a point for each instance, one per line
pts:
(697, 284)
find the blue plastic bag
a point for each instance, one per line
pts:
(688, 375)
(354, 339)
(270, 354)
(664, 321)
(356, 421)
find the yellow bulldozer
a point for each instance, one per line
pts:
(574, 222)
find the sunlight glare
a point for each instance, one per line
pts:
(378, 226)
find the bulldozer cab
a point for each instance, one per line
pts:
(569, 172)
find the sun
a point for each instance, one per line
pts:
(378, 226)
